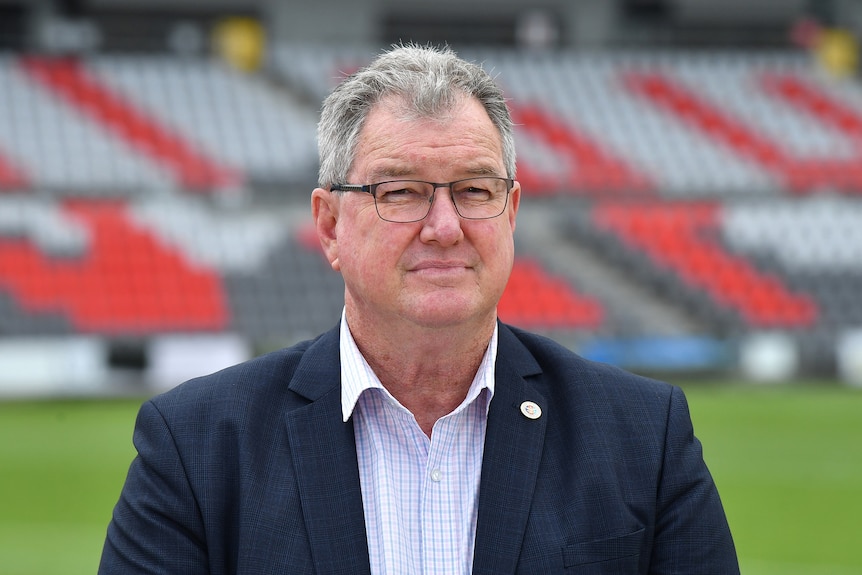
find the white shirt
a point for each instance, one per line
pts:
(420, 495)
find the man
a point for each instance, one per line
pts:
(420, 435)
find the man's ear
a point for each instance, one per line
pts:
(514, 203)
(324, 210)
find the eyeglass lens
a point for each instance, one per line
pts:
(408, 201)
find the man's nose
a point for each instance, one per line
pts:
(442, 199)
(442, 224)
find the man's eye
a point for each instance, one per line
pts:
(399, 193)
(475, 193)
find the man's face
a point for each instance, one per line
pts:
(443, 270)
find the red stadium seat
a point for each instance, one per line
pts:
(127, 282)
(677, 237)
(536, 299)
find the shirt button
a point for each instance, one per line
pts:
(436, 475)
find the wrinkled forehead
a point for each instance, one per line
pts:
(396, 143)
(412, 107)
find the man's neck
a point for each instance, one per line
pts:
(430, 371)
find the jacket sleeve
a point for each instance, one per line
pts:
(156, 525)
(692, 534)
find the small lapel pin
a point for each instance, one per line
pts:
(531, 410)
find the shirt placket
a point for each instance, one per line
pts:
(441, 519)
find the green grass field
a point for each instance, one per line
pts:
(788, 462)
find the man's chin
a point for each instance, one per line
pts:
(447, 310)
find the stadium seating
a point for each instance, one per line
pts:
(535, 299)
(129, 124)
(193, 170)
(723, 185)
(125, 281)
(682, 123)
(676, 238)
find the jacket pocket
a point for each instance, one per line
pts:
(603, 549)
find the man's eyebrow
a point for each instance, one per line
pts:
(389, 174)
(406, 173)
(484, 171)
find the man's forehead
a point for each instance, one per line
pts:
(394, 145)
(409, 108)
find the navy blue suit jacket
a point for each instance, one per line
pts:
(251, 470)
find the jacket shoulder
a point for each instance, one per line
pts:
(562, 365)
(262, 382)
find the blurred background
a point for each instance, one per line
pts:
(692, 209)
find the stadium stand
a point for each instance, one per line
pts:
(114, 124)
(192, 169)
(51, 146)
(125, 281)
(536, 299)
(834, 168)
(715, 123)
(722, 188)
(677, 238)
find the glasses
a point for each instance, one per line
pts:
(404, 201)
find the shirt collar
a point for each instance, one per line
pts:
(357, 376)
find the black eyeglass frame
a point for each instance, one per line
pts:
(372, 189)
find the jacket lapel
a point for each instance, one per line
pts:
(325, 464)
(513, 451)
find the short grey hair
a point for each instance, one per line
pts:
(429, 80)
